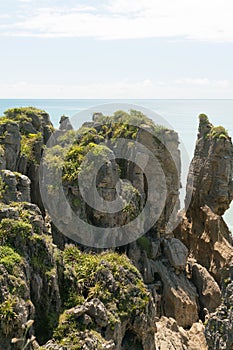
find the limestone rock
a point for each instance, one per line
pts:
(170, 336)
(175, 295)
(16, 187)
(209, 194)
(208, 289)
(114, 310)
(2, 158)
(211, 170)
(219, 325)
(176, 253)
(179, 296)
(11, 144)
(65, 123)
(208, 238)
(96, 310)
(31, 127)
(29, 287)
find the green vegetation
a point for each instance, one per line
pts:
(129, 292)
(40, 261)
(84, 158)
(74, 146)
(218, 132)
(69, 333)
(10, 229)
(28, 143)
(133, 200)
(7, 315)
(53, 159)
(9, 258)
(124, 296)
(24, 114)
(144, 244)
(76, 202)
(203, 119)
(134, 118)
(215, 132)
(5, 120)
(29, 120)
(68, 137)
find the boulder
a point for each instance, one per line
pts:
(208, 289)
(176, 253)
(179, 296)
(170, 336)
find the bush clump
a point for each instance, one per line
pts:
(7, 315)
(11, 229)
(24, 114)
(9, 258)
(126, 295)
(218, 132)
(28, 143)
(109, 277)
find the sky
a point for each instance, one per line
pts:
(116, 49)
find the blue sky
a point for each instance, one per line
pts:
(116, 49)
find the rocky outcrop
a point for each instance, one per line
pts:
(209, 191)
(210, 177)
(139, 334)
(15, 187)
(163, 267)
(219, 325)
(136, 158)
(10, 141)
(38, 282)
(176, 253)
(24, 132)
(170, 336)
(146, 295)
(208, 289)
(29, 277)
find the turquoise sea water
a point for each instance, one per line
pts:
(182, 115)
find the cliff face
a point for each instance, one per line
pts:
(139, 166)
(219, 325)
(151, 293)
(83, 300)
(210, 177)
(24, 132)
(203, 229)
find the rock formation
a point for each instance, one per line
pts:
(203, 229)
(24, 131)
(164, 290)
(219, 325)
(170, 336)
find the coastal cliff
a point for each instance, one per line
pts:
(168, 289)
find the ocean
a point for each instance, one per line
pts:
(182, 116)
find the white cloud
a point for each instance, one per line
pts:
(182, 88)
(124, 19)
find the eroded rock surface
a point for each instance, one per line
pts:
(154, 294)
(209, 187)
(219, 325)
(170, 336)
